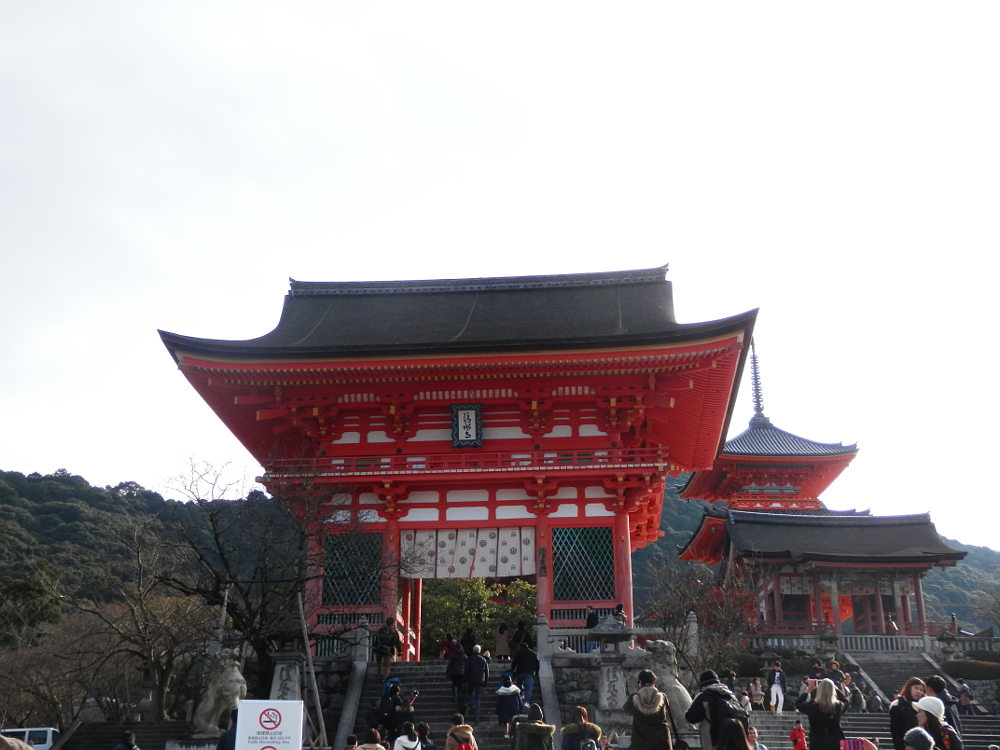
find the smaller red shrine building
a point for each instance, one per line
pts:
(813, 567)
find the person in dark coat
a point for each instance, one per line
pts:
(520, 638)
(592, 622)
(127, 743)
(424, 733)
(508, 704)
(936, 687)
(579, 729)
(456, 672)
(534, 734)
(468, 641)
(514, 722)
(733, 736)
(390, 714)
(776, 688)
(525, 667)
(386, 645)
(902, 711)
(227, 740)
(824, 714)
(649, 710)
(477, 674)
(705, 708)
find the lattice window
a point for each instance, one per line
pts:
(583, 566)
(352, 569)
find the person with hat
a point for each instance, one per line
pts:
(708, 708)
(534, 731)
(649, 709)
(918, 739)
(930, 716)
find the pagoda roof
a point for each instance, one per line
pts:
(765, 463)
(762, 438)
(565, 311)
(849, 538)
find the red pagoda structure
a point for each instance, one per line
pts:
(498, 427)
(813, 568)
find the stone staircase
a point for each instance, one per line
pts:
(978, 732)
(434, 705)
(890, 670)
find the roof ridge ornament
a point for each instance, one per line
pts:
(758, 419)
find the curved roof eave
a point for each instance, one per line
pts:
(249, 349)
(769, 441)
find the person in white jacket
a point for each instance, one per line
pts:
(408, 739)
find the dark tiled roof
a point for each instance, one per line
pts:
(847, 538)
(762, 438)
(524, 312)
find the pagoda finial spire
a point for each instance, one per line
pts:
(758, 396)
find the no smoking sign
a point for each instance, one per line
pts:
(270, 718)
(269, 725)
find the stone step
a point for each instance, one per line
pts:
(435, 705)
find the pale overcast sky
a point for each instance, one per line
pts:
(171, 165)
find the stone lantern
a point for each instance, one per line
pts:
(829, 642)
(610, 635)
(769, 657)
(288, 657)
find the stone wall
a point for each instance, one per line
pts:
(987, 692)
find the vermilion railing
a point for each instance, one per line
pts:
(470, 462)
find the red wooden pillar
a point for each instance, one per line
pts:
(418, 592)
(623, 562)
(543, 566)
(868, 615)
(779, 611)
(405, 587)
(918, 592)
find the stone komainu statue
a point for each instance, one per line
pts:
(665, 665)
(226, 688)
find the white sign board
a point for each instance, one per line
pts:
(269, 725)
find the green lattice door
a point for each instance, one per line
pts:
(352, 573)
(583, 566)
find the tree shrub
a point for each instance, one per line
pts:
(972, 670)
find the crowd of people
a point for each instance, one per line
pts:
(923, 715)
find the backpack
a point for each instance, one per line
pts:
(464, 746)
(731, 709)
(387, 685)
(588, 745)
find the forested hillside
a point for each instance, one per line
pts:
(49, 520)
(102, 587)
